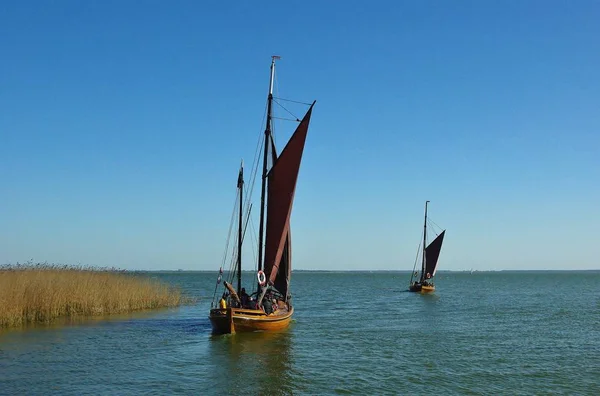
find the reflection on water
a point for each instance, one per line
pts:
(253, 362)
(59, 323)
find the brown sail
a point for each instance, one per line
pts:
(281, 188)
(432, 253)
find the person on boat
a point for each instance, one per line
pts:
(267, 306)
(244, 298)
(251, 302)
(223, 302)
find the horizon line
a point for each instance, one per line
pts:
(381, 270)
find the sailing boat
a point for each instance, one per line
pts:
(429, 259)
(269, 308)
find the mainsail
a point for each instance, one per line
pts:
(281, 188)
(432, 253)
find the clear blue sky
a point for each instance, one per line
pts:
(122, 125)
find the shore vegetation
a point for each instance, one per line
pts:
(42, 292)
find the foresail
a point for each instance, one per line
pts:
(433, 253)
(281, 188)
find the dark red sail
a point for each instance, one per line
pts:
(432, 253)
(281, 188)
(282, 279)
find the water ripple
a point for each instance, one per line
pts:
(480, 334)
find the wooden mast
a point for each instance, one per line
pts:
(424, 244)
(240, 230)
(264, 170)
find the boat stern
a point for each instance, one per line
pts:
(427, 289)
(221, 321)
(421, 288)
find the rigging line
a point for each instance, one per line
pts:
(229, 232)
(236, 252)
(286, 119)
(255, 162)
(254, 173)
(257, 152)
(254, 238)
(431, 228)
(234, 247)
(289, 112)
(260, 133)
(232, 271)
(276, 86)
(412, 274)
(246, 226)
(293, 101)
(254, 168)
(433, 222)
(212, 304)
(248, 200)
(254, 244)
(249, 190)
(247, 203)
(273, 135)
(232, 266)
(252, 228)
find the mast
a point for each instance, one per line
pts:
(264, 170)
(239, 257)
(424, 244)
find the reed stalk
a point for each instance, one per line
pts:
(40, 293)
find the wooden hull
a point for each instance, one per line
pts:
(419, 288)
(232, 320)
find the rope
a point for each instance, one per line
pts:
(289, 112)
(212, 304)
(229, 233)
(253, 173)
(276, 86)
(226, 243)
(232, 269)
(273, 134)
(431, 223)
(256, 161)
(412, 274)
(293, 101)
(254, 236)
(286, 119)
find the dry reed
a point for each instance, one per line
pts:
(39, 293)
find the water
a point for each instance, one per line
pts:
(354, 333)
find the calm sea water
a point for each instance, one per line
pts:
(354, 333)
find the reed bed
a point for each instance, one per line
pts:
(40, 293)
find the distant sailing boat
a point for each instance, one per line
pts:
(270, 306)
(429, 259)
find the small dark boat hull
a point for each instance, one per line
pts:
(421, 288)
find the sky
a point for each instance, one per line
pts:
(122, 126)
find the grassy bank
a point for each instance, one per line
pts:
(39, 293)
